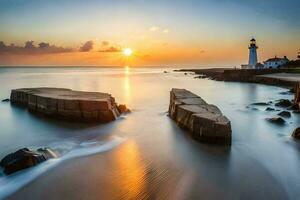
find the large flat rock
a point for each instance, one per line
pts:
(204, 121)
(67, 104)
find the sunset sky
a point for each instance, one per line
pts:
(160, 32)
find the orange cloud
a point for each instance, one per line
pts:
(108, 48)
(88, 46)
(111, 49)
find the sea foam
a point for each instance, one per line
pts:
(67, 150)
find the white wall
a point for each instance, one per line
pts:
(275, 64)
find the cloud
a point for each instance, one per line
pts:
(44, 45)
(46, 48)
(105, 43)
(166, 31)
(88, 46)
(159, 29)
(29, 45)
(110, 49)
(30, 48)
(107, 47)
(154, 28)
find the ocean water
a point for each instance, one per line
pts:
(144, 155)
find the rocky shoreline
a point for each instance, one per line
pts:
(297, 95)
(244, 75)
(68, 104)
(204, 121)
(274, 77)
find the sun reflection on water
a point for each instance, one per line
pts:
(132, 173)
(126, 84)
(127, 69)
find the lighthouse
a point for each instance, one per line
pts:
(252, 54)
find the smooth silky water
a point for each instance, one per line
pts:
(144, 154)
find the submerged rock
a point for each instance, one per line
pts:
(68, 104)
(297, 96)
(293, 107)
(270, 109)
(296, 111)
(25, 158)
(286, 114)
(5, 100)
(122, 108)
(260, 104)
(276, 120)
(296, 133)
(201, 76)
(205, 122)
(284, 103)
(285, 93)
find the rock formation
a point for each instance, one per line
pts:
(260, 104)
(205, 122)
(284, 103)
(122, 108)
(276, 120)
(270, 109)
(25, 158)
(68, 104)
(285, 114)
(296, 133)
(297, 95)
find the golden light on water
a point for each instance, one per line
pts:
(127, 69)
(131, 179)
(126, 83)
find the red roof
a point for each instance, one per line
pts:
(274, 59)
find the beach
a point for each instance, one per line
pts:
(284, 76)
(144, 154)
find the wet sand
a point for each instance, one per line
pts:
(183, 170)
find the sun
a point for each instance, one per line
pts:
(127, 52)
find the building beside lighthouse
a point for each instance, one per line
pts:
(252, 55)
(275, 62)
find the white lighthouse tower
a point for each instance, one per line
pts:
(252, 54)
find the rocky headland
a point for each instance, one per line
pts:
(276, 77)
(204, 121)
(68, 104)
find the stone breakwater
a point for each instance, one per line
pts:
(204, 121)
(67, 104)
